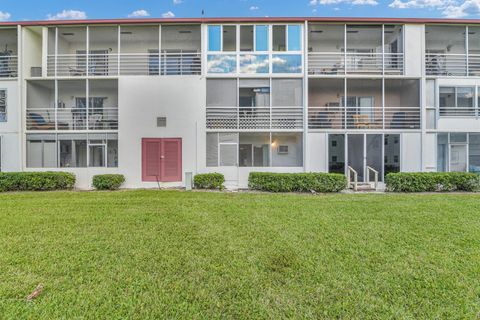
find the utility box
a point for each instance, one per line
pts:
(188, 181)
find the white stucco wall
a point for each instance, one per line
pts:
(10, 130)
(317, 152)
(414, 49)
(141, 100)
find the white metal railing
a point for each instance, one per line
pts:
(254, 118)
(375, 175)
(355, 63)
(72, 119)
(113, 64)
(8, 66)
(352, 184)
(457, 112)
(364, 118)
(440, 64)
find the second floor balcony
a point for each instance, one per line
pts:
(124, 50)
(355, 49)
(76, 108)
(8, 53)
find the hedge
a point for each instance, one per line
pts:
(432, 181)
(297, 182)
(209, 181)
(36, 181)
(108, 181)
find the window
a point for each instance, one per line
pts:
(221, 93)
(72, 150)
(287, 38)
(456, 101)
(254, 150)
(222, 149)
(294, 38)
(246, 38)
(457, 152)
(336, 153)
(214, 38)
(286, 63)
(287, 93)
(279, 38)
(3, 105)
(474, 152)
(261, 38)
(392, 153)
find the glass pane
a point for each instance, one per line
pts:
(364, 39)
(103, 105)
(402, 104)
(279, 41)
(221, 63)
(254, 97)
(253, 64)
(72, 105)
(355, 154)
(327, 38)
(431, 119)
(442, 152)
(228, 155)
(364, 104)
(374, 154)
(214, 38)
(73, 153)
(465, 97)
(212, 149)
(474, 152)
(261, 38)
(392, 153)
(324, 98)
(294, 38)
(287, 63)
(287, 150)
(458, 158)
(246, 38)
(430, 93)
(393, 39)
(229, 38)
(97, 156)
(336, 153)
(112, 153)
(254, 150)
(458, 137)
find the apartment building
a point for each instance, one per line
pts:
(156, 98)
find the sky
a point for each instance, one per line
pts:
(21, 10)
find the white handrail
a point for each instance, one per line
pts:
(370, 169)
(355, 177)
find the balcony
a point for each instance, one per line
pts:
(134, 50)
(366, 107)
(355, 49)
(9, 53)
(275, 118)
(73, 111)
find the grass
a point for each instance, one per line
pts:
(157, 255)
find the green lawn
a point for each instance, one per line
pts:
(157, 255)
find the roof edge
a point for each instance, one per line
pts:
(241, 20)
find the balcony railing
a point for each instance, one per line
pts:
(80, 65)
(364, 118)
(72, 119)
(446, 64)
(254, 118)
(8, 66)
(458, 112)
(355, 63)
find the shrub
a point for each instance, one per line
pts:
(209, 181)
(36, 181)
(108, 181)
(432, 181)
(297, 182)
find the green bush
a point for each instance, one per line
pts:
(297, 182)
(36, 181)
(209, 181)
(108, 181)
(432, 181)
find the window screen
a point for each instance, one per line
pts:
(222, 93)
(228, 155)
(212, 149)
(287, 93)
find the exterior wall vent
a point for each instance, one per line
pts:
(35, 72)
(161, 122)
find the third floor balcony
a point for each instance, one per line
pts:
(123, 50)
(355, 49)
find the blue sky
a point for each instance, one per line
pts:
(18, 10)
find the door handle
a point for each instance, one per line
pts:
(162, 157)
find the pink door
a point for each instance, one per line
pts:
(162, 159)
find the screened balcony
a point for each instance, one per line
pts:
(254, 105)
(355, 49)
(76, 108)
(365, 106)
(124, 50)
(8, 53)
(445, 50)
